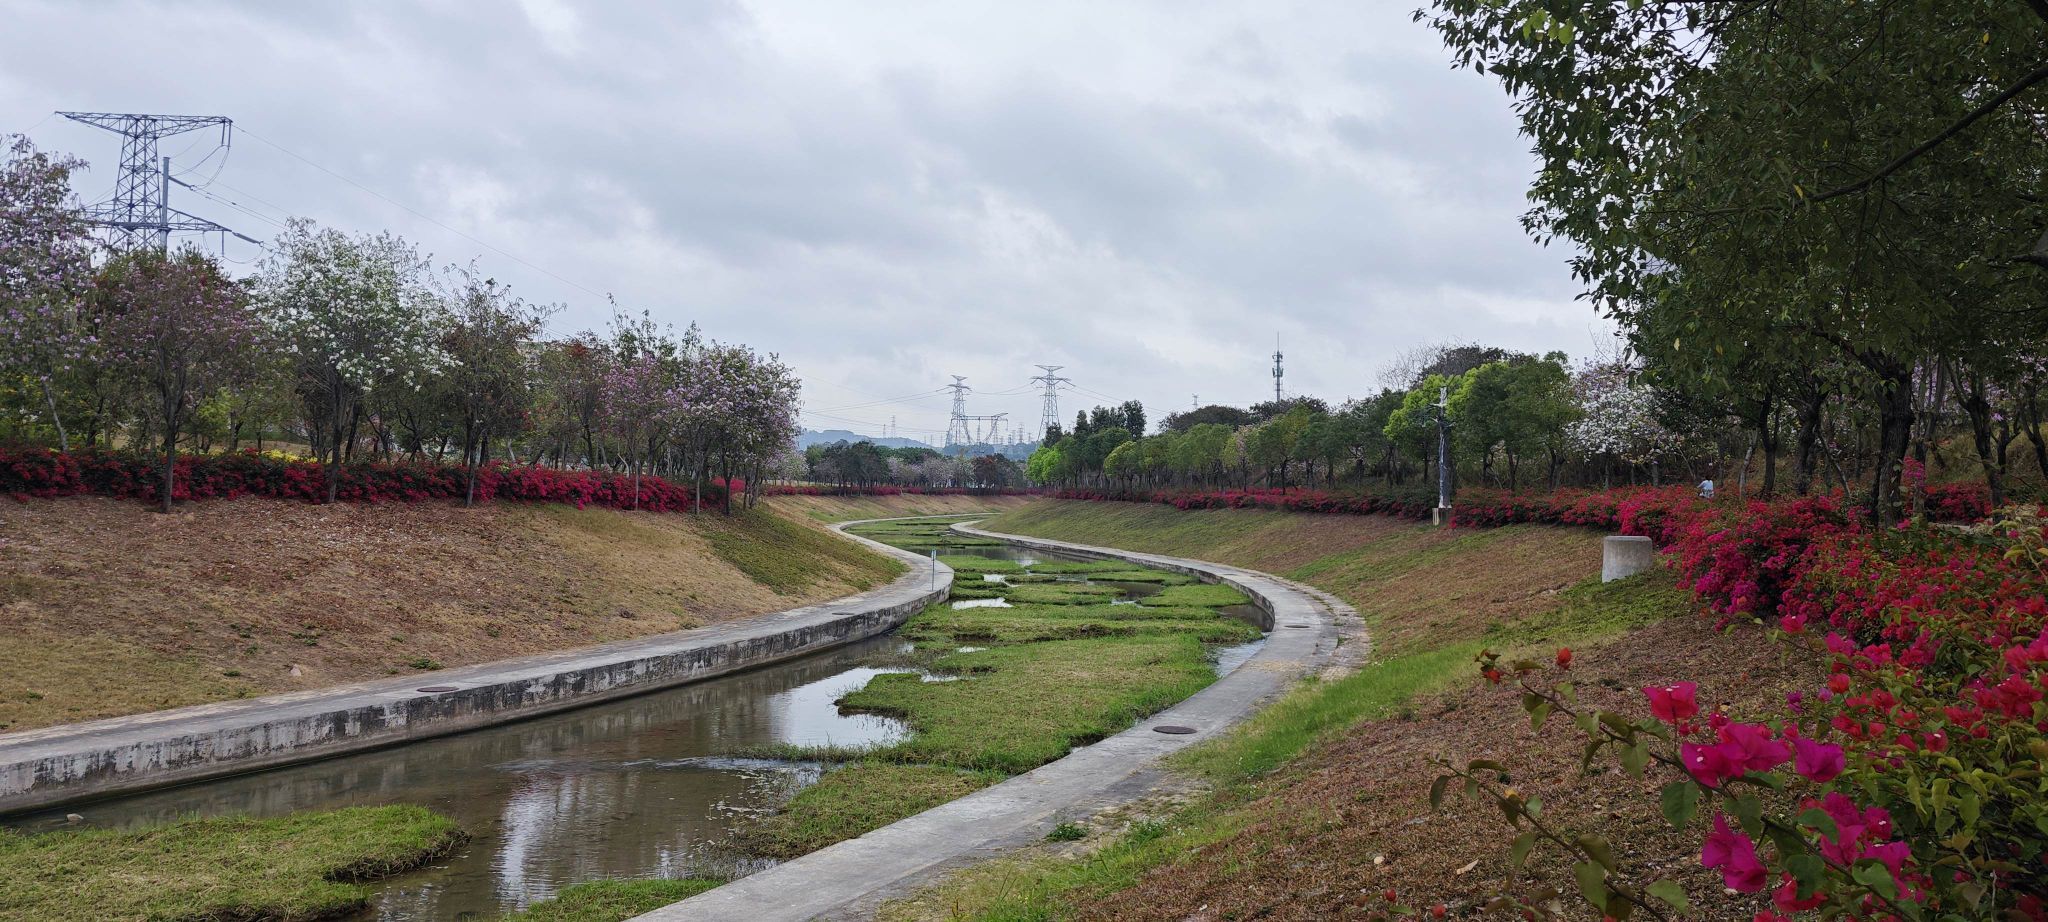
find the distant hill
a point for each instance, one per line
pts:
(810, 437)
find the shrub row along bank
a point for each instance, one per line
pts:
(1946, 502)
(1006, 688)
(125, 475)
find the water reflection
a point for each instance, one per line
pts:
(644, 787)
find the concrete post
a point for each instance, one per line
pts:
(1624, 556)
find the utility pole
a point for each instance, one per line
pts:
(1276, 369)
(1442, 515)
(140, 214)
(1049, 412)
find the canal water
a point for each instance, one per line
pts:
(651, 786)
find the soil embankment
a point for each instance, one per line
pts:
(114, 609)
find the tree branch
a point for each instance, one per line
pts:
(1991, 105)
(2040, 8)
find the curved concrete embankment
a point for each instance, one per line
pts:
(55, 765)
(851, 879)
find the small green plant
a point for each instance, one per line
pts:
(424, 663)
(1067, 832)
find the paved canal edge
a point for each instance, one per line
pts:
(72, 762)
(853, 878)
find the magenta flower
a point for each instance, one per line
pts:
(1708, 764)
(1818, 762)
(1752, 748)
(1675, 702)
(1735, 855)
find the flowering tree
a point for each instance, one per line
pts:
(352, 314)
(488, 378)
(45, 269)
(1617, 415)
(182, 331)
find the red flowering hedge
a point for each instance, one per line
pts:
(40, 472)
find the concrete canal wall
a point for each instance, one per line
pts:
(57, 765)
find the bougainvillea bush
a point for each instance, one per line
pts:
(1909, 785)
(40, 472)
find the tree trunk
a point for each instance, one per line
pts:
(56, 419)
(1977, 406)
(1808, 441)
(1894, 433)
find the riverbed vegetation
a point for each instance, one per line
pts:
(612, 900)
(1003, 689)
(294, 868)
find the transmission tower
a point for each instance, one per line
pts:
(140, 213)
(957, 433)
(1049, 415)
(1276, 369)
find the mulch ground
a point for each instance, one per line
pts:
(1351, 819)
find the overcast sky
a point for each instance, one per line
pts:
(886, 194)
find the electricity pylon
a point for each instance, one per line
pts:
(140, 213)
(1049, 414)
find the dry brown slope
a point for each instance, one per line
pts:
(111, 608)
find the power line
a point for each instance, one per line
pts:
(421, 215)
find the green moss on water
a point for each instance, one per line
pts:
(1062, 593)
(302, 866)
(611, 900)
(1027, 624)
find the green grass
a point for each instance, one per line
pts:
(859, 797)
(786, 556)
(1161, 577)
(302, 866)
(1207, 595)
(611, 900)
(968, 563)
(1027, 624)
(1061, 593)
(1024, 705)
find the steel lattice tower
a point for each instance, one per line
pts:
(956, 430)
(1049, 414)
(140, 213)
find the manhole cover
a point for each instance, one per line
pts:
(438, 688)
(1294, 625)
(1173, 729)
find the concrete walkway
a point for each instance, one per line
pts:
(852, 879)
(56, 765)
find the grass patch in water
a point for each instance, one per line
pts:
(612, 900)
(1027, 704)
(859, 797)
(968, 563)
(302, 866)
(1062, 593)
(1209, 595)
(1028, 624)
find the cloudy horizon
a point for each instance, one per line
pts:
(884, 194)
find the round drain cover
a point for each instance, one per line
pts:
(1294, 625)
(438, 688)
(1173, 729)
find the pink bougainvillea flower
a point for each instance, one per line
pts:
(1735, 855)
(1750, 748)
(1792, 624)
(1819, 763)
(1708, 764)
(1674, 702)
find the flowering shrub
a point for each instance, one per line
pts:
(883, 489)
(39, 472)
(1908, 786)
